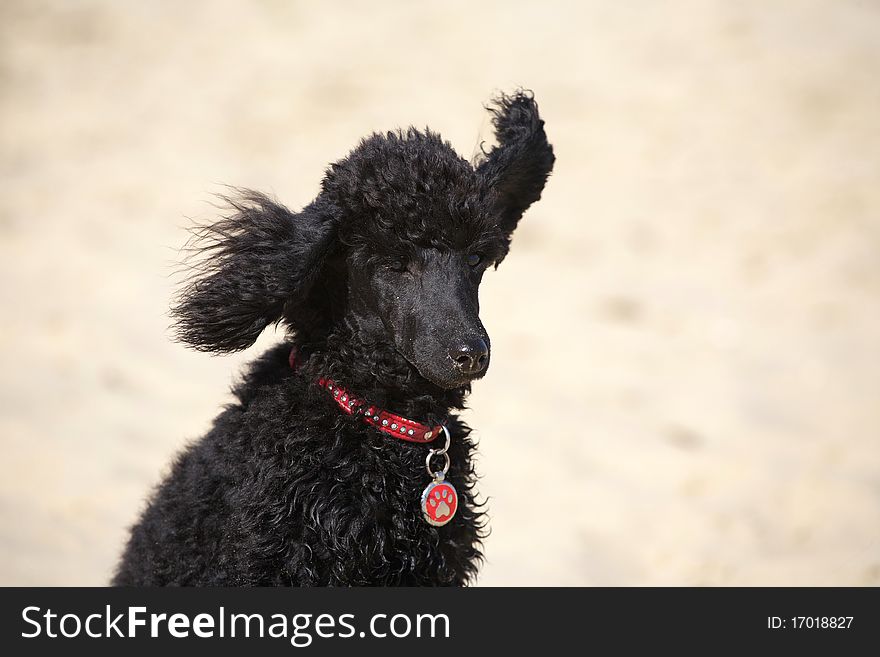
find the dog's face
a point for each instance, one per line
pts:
(428, 308)
(409, 224)
(420, 232)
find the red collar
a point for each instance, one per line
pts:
(394, 425)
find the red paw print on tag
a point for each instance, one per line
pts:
(439, 503)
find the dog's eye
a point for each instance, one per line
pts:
(474, 259)
(398, 265)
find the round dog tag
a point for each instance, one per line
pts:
(439, 502)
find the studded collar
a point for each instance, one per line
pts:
(389, 423)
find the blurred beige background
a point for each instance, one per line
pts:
(686, 372)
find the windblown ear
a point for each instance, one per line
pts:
(250, 265)
(518, 167)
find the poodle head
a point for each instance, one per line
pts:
(396, 243)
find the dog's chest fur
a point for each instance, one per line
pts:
(283, 496)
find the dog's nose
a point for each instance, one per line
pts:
(471, 356)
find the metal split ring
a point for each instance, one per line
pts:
(438, 452)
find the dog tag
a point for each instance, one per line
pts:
(439, 502)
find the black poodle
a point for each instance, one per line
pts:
(340, 463)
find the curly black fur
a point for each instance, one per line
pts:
(377, 282)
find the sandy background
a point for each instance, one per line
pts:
(685, 385)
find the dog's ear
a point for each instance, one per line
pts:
(250, 265)
(517, 168)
